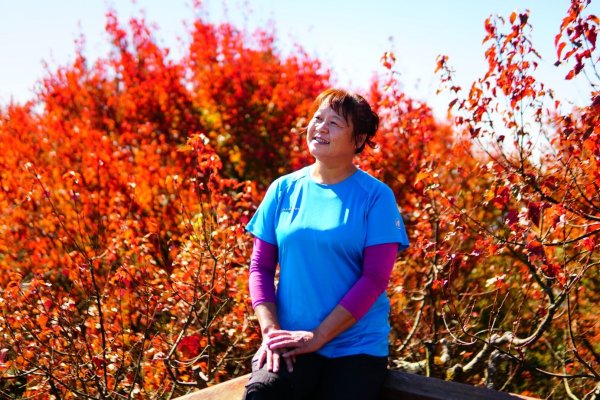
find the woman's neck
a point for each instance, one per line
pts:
(329, 175)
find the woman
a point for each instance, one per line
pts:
(335, 231)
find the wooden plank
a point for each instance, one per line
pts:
(233, 389)
(405, 386)
(398, 386)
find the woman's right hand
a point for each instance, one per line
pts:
(272, 358)
(267, 317)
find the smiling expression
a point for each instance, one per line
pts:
(330, 136)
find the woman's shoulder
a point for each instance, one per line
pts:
(287, 180)
(370, 183)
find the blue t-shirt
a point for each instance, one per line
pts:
(321, 232)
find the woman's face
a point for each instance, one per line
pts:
(329, 136)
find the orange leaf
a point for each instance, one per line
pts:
(421, 176)
(560, 48)
(557, 38)
(441, 61)
(42, 320)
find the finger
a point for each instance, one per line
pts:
(284, 344)
(278, 333)
(262, 357)
(275, 362)
(290, 353)
(274, 333)
(289, 363)
(281, 339)
(295, 352)
(269, 356)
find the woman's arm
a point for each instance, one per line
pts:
(300, 342)
(266, 313)
(377, 267)
(263, 264)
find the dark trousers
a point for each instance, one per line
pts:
(315, 377)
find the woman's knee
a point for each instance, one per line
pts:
(265, 385)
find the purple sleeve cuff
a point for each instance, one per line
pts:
(377, 267)
(263, 264)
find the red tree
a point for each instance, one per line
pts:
(123, 253)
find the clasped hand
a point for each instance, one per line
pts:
(286, 344)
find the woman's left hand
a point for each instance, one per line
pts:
(298, 342)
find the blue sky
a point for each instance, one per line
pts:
(347, 35)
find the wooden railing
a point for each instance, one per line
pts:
(398, 386)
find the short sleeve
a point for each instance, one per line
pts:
(262, 224)
(384, 222)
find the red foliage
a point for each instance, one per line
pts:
(126, 186)
(123, 250)
(250, 99)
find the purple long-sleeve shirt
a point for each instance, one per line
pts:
(378, 262)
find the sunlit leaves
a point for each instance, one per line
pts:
(126, 185)
(122, 231)
(578, 33)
